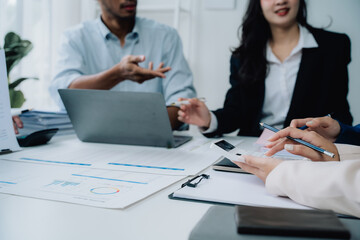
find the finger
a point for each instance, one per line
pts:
(304, 151)
(161, 65)
(320, 122)
(181, 119)
(151, 65)
(247, 168)
(164, 70)
(278, 147)
(195, 102)
(272, 144)
(185, 107)
(15, 128)
(18, 121)
(149, 74)
(258, 162)
(296, 133)
(136, 59)
(296, 123)
(190, 105)
(250, 169)
(307, 136)
(181, 114)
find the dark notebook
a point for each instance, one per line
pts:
(289, 222)
(224, 164)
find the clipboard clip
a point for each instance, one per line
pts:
(193, 182)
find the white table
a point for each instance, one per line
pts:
(156, 217)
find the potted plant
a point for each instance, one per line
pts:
(15, 49)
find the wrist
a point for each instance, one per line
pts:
(116, 74)
(207, 122)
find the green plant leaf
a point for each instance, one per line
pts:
(15, 49)
(10, 38)
(17, 98)
(18, 81)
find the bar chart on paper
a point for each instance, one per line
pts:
(182, 161)
(92, 187)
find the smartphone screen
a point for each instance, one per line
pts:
(225, 145)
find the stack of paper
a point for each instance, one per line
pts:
(7, 136)
(40, 120)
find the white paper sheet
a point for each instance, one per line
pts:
(99, 188)
(235, 188)
(7, 135)
(283, 154)
(73, 152)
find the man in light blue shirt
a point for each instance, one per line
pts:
(118, 50)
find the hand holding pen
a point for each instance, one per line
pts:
(194, 111)
(325, 126)
(186, 101)
(297, 148)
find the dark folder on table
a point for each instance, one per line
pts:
(219, 223)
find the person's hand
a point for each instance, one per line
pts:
(325, 126)
(299, 149)
(17, 123)
(196, 113)
(259, 166)
(128, 68)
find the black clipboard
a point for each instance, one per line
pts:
(172, 197)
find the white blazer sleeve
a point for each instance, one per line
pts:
(322, 185)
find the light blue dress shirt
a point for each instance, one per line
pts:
(91, 48)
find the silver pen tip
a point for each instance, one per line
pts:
(329, 154)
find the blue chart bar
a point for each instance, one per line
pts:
(144, 166)
(56, 182)
(7, 182)
(49, 161)
(69, 184)
(110, 179)
(63, 183)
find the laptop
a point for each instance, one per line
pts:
(131, 118)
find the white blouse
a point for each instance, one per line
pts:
(281, 79)
(279, 83)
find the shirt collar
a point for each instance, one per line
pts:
(107, 34)
(306, 40)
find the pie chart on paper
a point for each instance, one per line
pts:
(104, 190)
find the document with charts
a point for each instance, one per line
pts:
(7, 136)
(73, 152)
(98, 188)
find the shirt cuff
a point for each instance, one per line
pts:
(344, 129)
(274, 180)
(213, 124)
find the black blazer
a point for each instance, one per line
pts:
(321, 88)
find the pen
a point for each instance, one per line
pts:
(178, 103)
(300, 141)
(306, 127)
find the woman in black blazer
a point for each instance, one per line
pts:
(276, 41)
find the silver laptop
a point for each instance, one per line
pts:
(132, 118)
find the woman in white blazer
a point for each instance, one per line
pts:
(322, 183)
